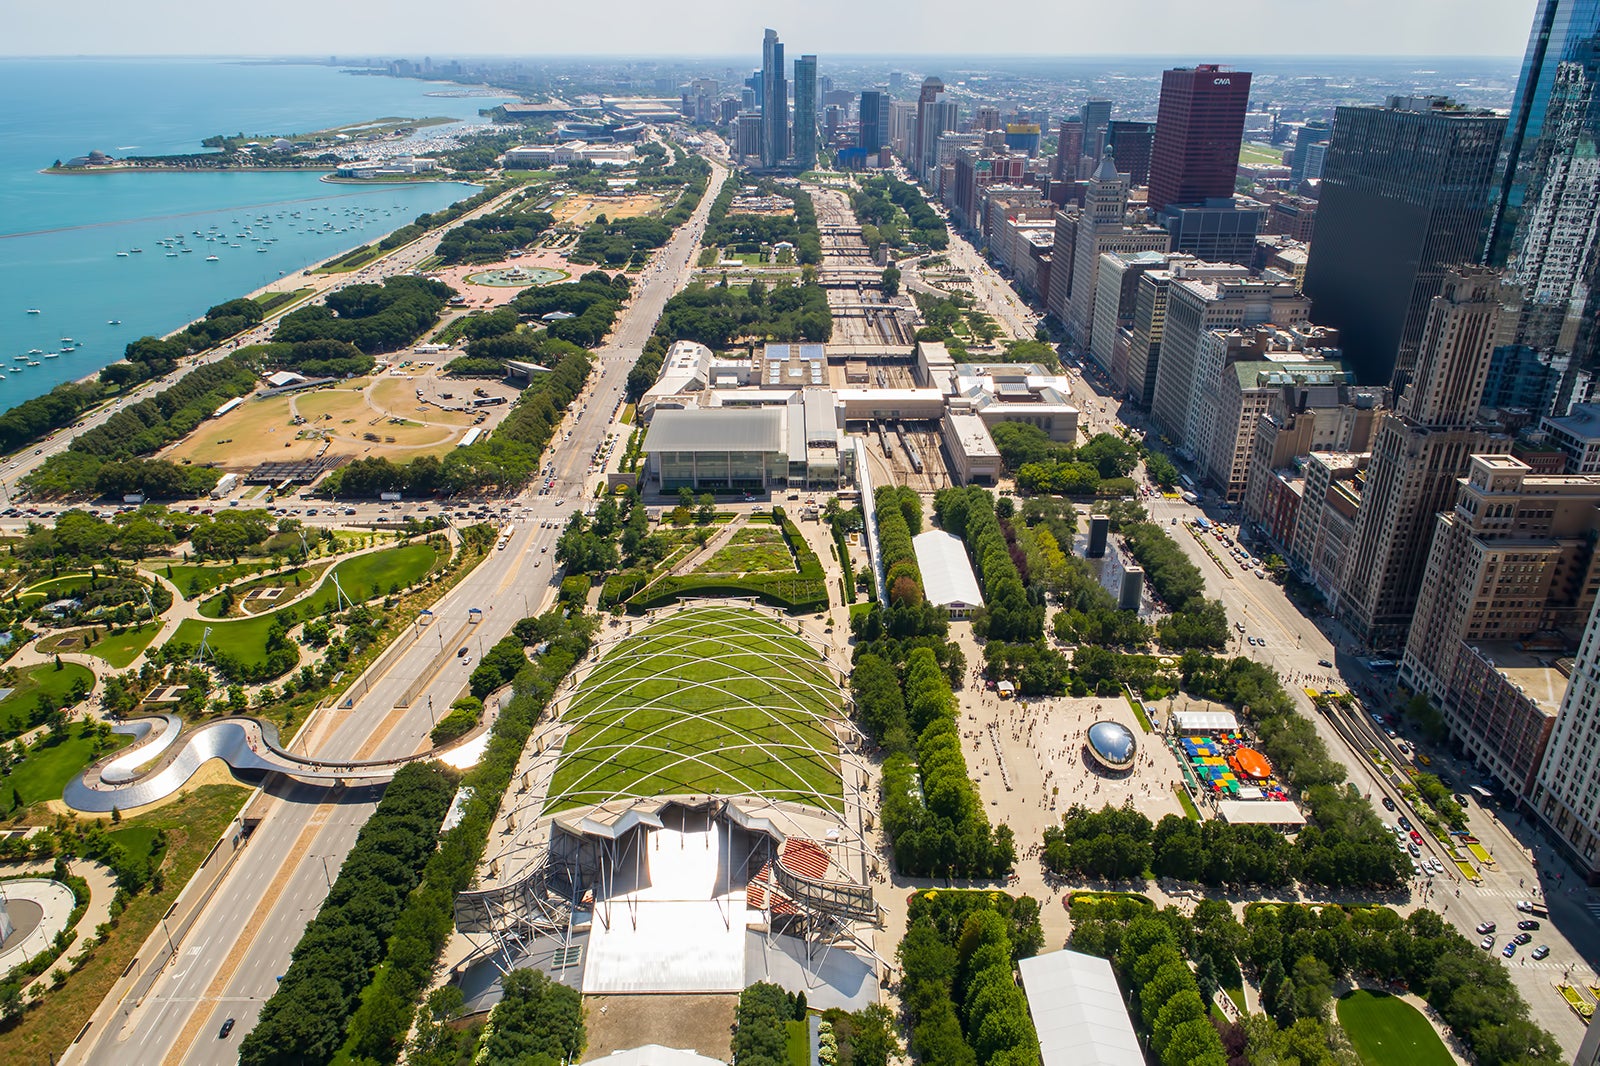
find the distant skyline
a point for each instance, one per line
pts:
(720, 28)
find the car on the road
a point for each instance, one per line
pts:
(1416, 836)
(1528, 923)
(1252, 641)
(1522, 938)
(1509, 950)
(1487, 942)
(1542, 951)
(1416, 852)
(227, 1027)
(1388, 804)
(1405, 823)
(1486, 927)
(1328, 663)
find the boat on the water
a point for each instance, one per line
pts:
(211, 259)
(34, 311)
(122, 255)
(114, 322)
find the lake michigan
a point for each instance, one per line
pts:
(60, 234)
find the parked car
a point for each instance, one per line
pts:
(1325, 663)
(1388, 804)
(1522, 938)
(1528, 923)
(1486, 927)
(1486, 943)
(1540, 952)
(1509, 950)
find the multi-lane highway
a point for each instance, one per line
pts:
(227, 964)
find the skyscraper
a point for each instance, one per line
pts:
(874, 119)
(1199, 128)
(1095, 114)
(774, 103)
(1405, 190)
(1131, 142)
(1560, 28)
(1069, 149)
(1314, 132)
(1419, 453)
(921, 146)
(1567, 793)
(805, 112)
(1557, 243)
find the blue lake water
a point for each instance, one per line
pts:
(60, 234)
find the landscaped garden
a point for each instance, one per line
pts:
(712, 700)
(117, 647)
(50, 763)
(361, 577)
(758, 548)
(1385, 1029)
(19, 710)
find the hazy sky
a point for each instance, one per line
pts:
(724, 27)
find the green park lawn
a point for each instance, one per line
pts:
(296, 581)
(118, 649)
(194, 580)
(1259, 154)
(246, 638)
(33, 681)
(1384, 1029)
(50, 764)
(715, 700)
(753, 550)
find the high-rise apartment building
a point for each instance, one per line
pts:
(1566, 793)
(774, 103)
(1557, 242)
(1131, 143)
(1313, 133)
(1259, 365)
(1194, 346)
(1561, 30)
(1404, 198)
(1069, 149)
(1511, 568)
(1095, 114)
(805, 112)
(1102, 228)
(1199, 128)
(1419, 453)
(1150, 317)
(874, 121)
(921, 141)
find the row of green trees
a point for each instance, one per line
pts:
(748, 232)
(1010, 615)
(488, 238)
(957, 961)
(142, 428)
(719, 315)
(1119, 843)
(378, 1029)
(595, 300)
(304, 1020)
(375, 318)
(932, 813)
(881, 202)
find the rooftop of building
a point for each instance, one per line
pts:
(716, 429)
(1540, 675)
(1582, 421)
(973, 434)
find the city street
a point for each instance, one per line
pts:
(228, 963)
